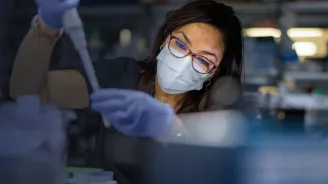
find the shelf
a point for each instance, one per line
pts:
(96, 10)
(320, 6)
(255, 7)
(298, 101)
(260, 77)
(265, 7)
(306, 76)
(308, 14)
(112, 10)
(256, 81)
(251, 8)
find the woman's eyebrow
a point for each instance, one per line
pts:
(185, 37)
(208, 53)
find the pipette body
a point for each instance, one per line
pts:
(74, 28)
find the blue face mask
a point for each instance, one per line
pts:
(176, 75)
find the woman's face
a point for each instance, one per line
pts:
(202, 39)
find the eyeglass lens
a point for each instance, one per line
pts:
(180, 50)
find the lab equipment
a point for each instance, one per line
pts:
(282, 159)
(31, 136)
(74, 28)
(296, 111)
(133, 112)
(315, 121)
(51, 11)
(214, 157)
(78, 175)
(104, 177)
(260, 56)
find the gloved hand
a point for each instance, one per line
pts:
(51, 11)
(134, 113)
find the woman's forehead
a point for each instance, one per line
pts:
(199, 30)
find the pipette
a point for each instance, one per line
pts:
(74, 28)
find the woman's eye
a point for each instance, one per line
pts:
(181, 45)
(204, 62)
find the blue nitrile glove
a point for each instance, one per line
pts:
(134, 113)
(51, 11)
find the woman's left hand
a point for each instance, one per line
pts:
(133, 112)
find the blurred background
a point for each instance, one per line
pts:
(273, 29)
(285, 50)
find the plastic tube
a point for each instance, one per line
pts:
(74, 28)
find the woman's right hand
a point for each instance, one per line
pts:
(51, 11)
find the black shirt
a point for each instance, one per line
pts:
(95, 146)
(123, 73)
(130, 158)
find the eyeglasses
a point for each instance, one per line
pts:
(200, 63)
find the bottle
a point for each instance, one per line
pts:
(103, 177)
(288, 55)
(313, 120)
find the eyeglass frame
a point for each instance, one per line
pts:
(192, 54)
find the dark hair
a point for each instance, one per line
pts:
(210, 12)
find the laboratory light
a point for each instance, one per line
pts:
(125, 37)
(276, 33)
(262, 32)
(305, 48)
(305, 32)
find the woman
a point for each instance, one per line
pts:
(196, 45)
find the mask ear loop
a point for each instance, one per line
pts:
(210, 80)
(208, 85)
